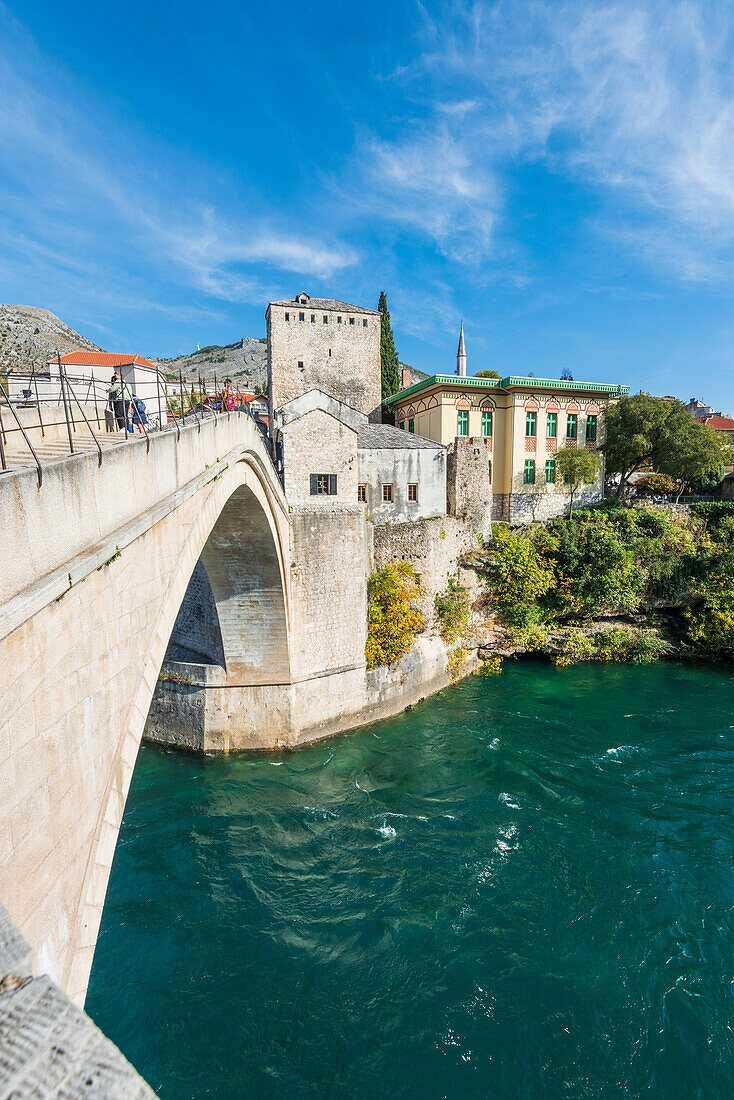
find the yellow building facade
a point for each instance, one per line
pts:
(521, 422)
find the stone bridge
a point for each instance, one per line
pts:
(94, 568)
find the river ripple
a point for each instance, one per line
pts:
(522, 888)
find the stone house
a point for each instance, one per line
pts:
(334, 457)
(521, 422)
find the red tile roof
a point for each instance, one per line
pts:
(720, 422)
(102, 359)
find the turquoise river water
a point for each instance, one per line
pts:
(522, 888)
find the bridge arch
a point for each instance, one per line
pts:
(250, 595)
(88, 641)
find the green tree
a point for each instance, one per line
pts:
(388, 355)
(576, 467)
(652, 431)
(487, 374)
(695, 454)
(519, 574)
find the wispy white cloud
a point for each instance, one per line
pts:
(634, 99)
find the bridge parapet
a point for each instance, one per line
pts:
(85, 513)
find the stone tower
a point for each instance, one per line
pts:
(461, 355)
(323, 344)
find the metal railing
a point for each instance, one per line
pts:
(54, 387)
(3, 438)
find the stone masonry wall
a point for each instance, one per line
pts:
(500, 502)
(317, 443)
(196, 630)
(432, 546)
(534, 507)
(468, 488)
(330, 555)
(340, 358)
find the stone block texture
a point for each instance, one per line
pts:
(49, 1049)
(468, 486)
(432, 547)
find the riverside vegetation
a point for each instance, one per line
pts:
(614, 583)
(610, 582)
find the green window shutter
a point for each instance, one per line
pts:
(591, 429)
(571, 426)
(552, 425)
(486, 422)
(463, 422)
(314, 484)
(332, 485)
(531, 420)
(411, 426)
(529, 471)
(550, 472)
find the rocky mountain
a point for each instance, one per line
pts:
(31, 336)
(244, 362)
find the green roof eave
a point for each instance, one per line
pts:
(563, 384)
(506, 383)
(443, 380)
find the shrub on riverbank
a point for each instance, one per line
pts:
(548, 583)
(392, 620)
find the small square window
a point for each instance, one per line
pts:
(300, 364)
(387, 494)
(313, 318)
(326, 319)
(287, 316)
(323, 485)
(351, 320)
(338, 320)
(413, 493)
(362, 494)
(301, 316)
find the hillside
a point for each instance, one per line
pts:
(245, 362)
(29, 335)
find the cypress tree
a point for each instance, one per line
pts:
(388, 355)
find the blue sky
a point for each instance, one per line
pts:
(560, 175)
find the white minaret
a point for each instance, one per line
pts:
(461, 355)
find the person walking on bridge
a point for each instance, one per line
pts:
(119, 397)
